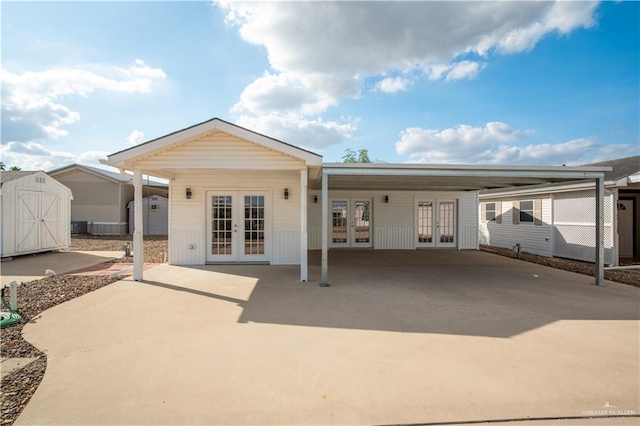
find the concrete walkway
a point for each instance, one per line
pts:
(31, 267)
(399, 337)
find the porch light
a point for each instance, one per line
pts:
(386, 199)
(188, 193)
(315, 199)
(286, 193)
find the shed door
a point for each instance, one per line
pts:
(50, 220)
(625, 228)
(28, 229)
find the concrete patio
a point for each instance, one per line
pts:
(399, 337)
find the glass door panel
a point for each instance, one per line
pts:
(222, 227)
(339, 223)
(425, 224)
(254, 228)
(361, 235)
(446, 223)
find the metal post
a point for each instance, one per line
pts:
(325, 230)
(303, 226)
(13, 295)
(138, 250)
(599, 230)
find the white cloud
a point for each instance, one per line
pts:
(392, 85)
(135, 137)
(35, 156)
(321, 52)
(497, 143)
(313, 134)
(33, 102)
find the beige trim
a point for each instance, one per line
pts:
(498, 212)
(537, 211)
(516, 212)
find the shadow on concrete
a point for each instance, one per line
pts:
(430, 291)
(29, 267)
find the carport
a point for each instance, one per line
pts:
(333, 177)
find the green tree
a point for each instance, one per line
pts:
(361, 156)
(14, 169)
(2, 166)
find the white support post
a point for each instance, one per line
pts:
(325, 230)
(599, 230)
(138, 250)
(303, 226)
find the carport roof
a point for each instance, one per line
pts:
(452, 177)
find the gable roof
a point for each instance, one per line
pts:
(118, 158)
(8, 176)
(621, 168)
(106, 174)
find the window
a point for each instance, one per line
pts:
(155, 207)
(526, 211)
(490, 212)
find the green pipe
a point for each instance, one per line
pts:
(8, 318)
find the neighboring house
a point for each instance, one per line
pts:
(101, 198)
(34, 212)
(238, 196)
(156, 218)
(559, 219)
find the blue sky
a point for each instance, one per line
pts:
(457, 82)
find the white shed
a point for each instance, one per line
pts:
(36, 213)
(155, 215)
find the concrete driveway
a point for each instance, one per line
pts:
(399, 337)
(31, 267)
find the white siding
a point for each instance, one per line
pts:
(59, 233)
(219, 151)
(188, 222)
(394, 222)
(535, 239)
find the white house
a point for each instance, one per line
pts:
(35, 211)
(559, 219)
(239, 196)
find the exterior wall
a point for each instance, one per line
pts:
(156, 222)
(634, 194)
(9, 204)
(187, 218)
(574, 225)
(219, 150)
(394, 222)
(535, 239)
(94, 198)
(567, 229)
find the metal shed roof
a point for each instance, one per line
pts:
(423, 177)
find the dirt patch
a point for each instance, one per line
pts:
(156, 247)
(631, 277)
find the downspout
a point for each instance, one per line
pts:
(599, 272)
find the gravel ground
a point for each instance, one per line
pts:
(155, 246)
(631, 277)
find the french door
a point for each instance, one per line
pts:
(435, 223)
(351, 220)
(238, 226)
